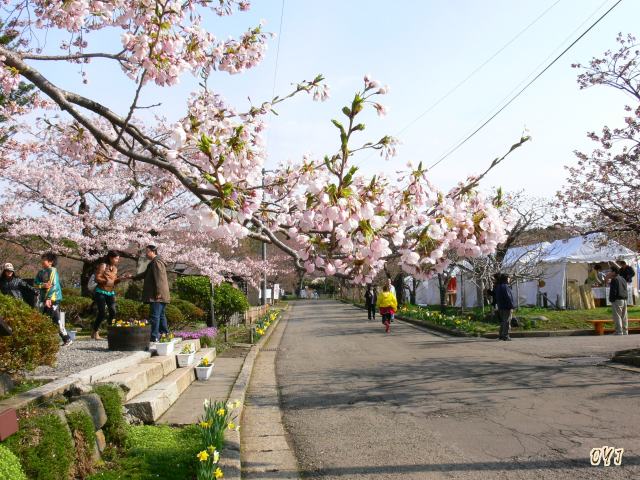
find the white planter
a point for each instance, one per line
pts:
(72, 334)
(203, 373)
(185, 359)
(163, 349)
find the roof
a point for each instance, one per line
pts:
(593, 248)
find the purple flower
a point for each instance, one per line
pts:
(193, 335)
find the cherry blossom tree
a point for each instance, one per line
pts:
(204, 170)
(601, 192)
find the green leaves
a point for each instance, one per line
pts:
(205, 143)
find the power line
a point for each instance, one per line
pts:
(275, 70)
(477, 69)
(484, 124)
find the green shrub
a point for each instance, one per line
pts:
(10, 467)
(128, 309)
(70, 292)
(192, 313)
(115, 430)
(34, 341)
(175, 318)
(227, 301)
(84, 436)
(194, 289)
(44, 446)
(75, 307)
(134, 292)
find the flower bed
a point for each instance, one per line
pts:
(265, 322)
(218, 417)
(456, 323)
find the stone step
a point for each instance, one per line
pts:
(135, 379)
(149, 405)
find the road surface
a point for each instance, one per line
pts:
(360, 404)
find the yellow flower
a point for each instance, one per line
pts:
(204, 424)
(205, 362)
(218, 473)
(221, 412)
(203, 456)
(231, 426)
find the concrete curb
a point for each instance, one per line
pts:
(230, 457)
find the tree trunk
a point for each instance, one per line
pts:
(412, 294)
(398, 283)
(442, 286)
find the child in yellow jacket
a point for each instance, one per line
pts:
(388, 305)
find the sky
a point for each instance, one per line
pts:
(421, 49)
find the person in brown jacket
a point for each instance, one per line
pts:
(105, 293)
(155, 291)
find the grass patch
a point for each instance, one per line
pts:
(239, 334)
(44, 446)
(155, 452)
(475, 322)
(115, 430)
(23, 386)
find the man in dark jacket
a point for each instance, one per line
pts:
(504, 302)
(12, 285)
(370, 299)
(618, 299)
(155, 292)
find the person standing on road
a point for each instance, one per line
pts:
(504, 302)
(48, 281)
(105, 292)
(627, 273)
(388, 305)
(155, 291)
(618, 299)
(370, 299)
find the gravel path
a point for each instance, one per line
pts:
(78, 356)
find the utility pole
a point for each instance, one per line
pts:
(264, 256)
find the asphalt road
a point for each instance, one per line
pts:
(360, 404)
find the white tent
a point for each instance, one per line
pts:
(561, 262)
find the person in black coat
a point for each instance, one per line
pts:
(505, 303)
(370, 299)
(12, 285)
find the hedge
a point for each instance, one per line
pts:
(194, 289)
(227, 301)
(44, 446)
(128, 309)
(10, 467)
(175, 318)
(34, 341)
(75, 308)
(192, 313)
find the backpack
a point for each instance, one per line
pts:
(92, 284)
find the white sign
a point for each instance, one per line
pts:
(276, 291)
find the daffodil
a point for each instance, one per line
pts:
(203, 456)
(204, 424)
(205, 404)
(218, 473)
(231, 426)
(221, 412)
(215, 455)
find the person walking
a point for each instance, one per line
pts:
(618, 298)
(105, 293)
(370, 299)
(48, 282)
(388, 305)
(12, 285)
(504, 302)
(155, 291)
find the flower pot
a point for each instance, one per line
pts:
(72, 334)
(203, 373)
(128, 339)
(185, 359)
(164, 348)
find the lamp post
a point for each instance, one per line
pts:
(263, 285)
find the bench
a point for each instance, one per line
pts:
(598, 325)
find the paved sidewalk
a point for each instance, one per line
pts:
(266, 454)
(188, 408)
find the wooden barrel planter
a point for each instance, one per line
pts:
(129, 339)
